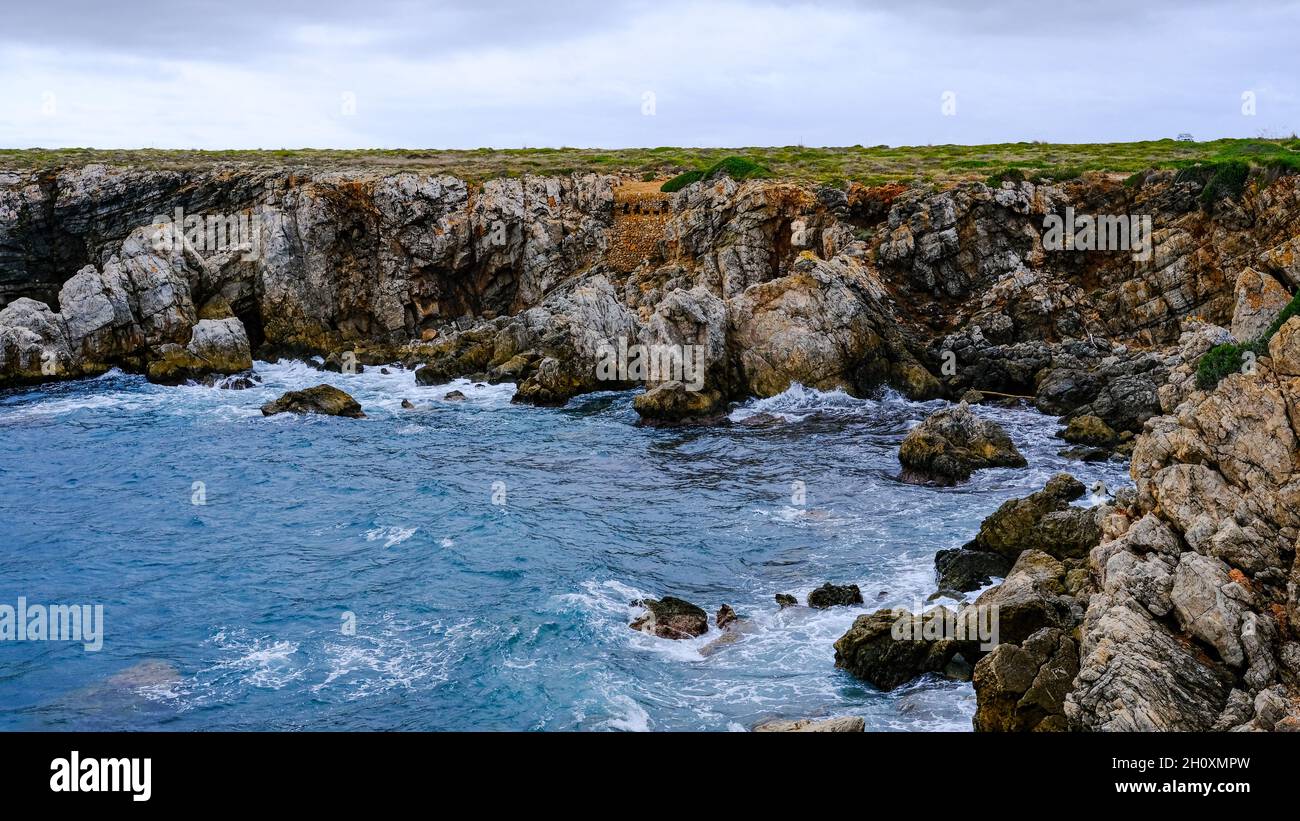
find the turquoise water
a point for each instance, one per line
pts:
(488, 552)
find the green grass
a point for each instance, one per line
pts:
(870, 165)
(1222, 360)
(738, 168)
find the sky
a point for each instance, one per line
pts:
(730, 73)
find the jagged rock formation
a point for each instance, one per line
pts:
(521, 279)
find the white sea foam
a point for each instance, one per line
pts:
(392, 534)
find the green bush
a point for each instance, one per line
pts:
(738, 168)
(1005, 175)
(1228, 181)
(680, 181)
(1222, 360)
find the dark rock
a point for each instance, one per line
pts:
(1044, 521)
(1085, 454)
(832, 595)
(322, 399)
(786, 600)
(961, 570)
(672, 618)
(1020, 688)
(407, 404)
(453, 396)
(870, 650)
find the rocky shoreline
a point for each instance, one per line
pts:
(1170, 607)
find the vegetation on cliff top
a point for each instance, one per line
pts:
(874, 165)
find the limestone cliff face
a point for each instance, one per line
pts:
(524, 279)
(1193, 625)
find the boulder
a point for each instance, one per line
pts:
(1020, 688)
(1032, 597)
(961, 570)
(889, 648)
(672, 403)
(322, 399)
(671, 618)
(725, 616)
(951, 443)
(1044, 520)
(216, 346)
(1090, 430)
(1259, 300)
(785, 600)
(833, 595)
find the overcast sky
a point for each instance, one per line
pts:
(508, 73)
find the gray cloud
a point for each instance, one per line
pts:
(735, 72)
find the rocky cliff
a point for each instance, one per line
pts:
(1176, 612)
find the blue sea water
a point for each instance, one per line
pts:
(488, 552)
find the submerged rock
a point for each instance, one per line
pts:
(453, 396)
(671, 618)
(951, 443)
(833, 595)
(785, 600)
(322, 399)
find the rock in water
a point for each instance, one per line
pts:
(832, 595)
(951, 443)
(216, 346)
(1090, 430)
(671, 403)
(725, 616)
(870, 650)
(407, 404)
(453, 396)
(847, 724)
(672, 618)
(1044, 520)
(785, 600)
(961, 570)
(323, 399)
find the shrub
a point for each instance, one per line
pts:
(680, 181)
(1222, 360)
(1005, 175)
(1227, 181)
(738, 168)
